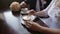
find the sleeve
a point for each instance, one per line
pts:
(52, 2)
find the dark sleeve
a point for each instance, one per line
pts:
(27, 1)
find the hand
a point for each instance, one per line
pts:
(42, 14)
(23, 4)
(33, 26)
(32, 12)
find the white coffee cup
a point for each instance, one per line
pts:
(24, 10)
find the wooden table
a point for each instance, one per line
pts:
(11, 23)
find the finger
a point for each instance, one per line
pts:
(28, 26)
(29, 22)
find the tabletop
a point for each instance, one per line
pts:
(10, 23)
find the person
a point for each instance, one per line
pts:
(36, 27)
(15, 6)
(38, 6)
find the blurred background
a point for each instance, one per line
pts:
(4, 4)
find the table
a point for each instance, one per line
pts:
(11, 24)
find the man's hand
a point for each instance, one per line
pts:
(23, 4)
(33, 26)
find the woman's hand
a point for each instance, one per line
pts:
(32, 12)
(33, 26)
(41, 14)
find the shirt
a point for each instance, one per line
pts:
(49, 6)
(52, 22)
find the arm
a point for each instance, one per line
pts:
(44, 13)
(36, 27)
(49, 30)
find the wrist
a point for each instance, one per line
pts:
(41, 29)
